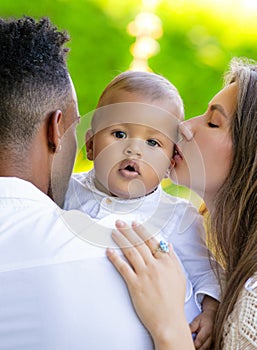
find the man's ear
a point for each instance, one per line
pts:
(54, 131)
(90, 144)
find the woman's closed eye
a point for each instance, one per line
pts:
(152, 143)
(119, 134)
(212, 125)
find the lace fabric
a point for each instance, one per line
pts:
(240, 331)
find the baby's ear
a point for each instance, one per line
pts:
(89, 144)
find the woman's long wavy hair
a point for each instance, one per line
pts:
(234, 222)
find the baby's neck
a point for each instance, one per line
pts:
(103, 189)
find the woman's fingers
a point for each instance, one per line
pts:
(135, 250)
(149, 240)
(156, 248)
(122, 266)
(131, 238)
(128, 249)
(140, 238)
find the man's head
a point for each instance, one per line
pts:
(36, 97)
(133, 132)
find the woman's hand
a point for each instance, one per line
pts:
(156, 284)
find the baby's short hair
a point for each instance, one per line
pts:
(150, 86)
(146, 84)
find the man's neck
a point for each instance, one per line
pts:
(24, 168)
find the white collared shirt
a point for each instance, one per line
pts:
(57, 291)
(173, 218)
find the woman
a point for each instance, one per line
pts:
(226, 136)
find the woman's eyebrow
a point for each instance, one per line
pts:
(219, 108)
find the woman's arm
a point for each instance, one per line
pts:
(156, 284)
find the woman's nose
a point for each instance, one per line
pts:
(185, 130)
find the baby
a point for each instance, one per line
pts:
(131, 142)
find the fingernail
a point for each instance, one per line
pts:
(120, 223)
(135, 223)
(109, 251)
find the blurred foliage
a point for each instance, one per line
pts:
(199, 39)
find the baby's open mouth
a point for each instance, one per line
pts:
(129, 169)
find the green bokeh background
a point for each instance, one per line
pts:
(199, 39)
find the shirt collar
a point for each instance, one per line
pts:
(149, 201)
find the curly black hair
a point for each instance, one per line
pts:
(34, 78)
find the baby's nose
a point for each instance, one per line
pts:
(133, 149)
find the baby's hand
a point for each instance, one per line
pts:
(202, 325)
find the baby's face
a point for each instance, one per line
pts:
(133, 147)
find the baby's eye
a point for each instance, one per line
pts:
(152, 143)
(119, 134)
(211, 125)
